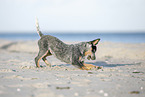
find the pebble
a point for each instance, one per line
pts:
(76, 94)
(134, 92)
(105, 94)
(101, 91)
(90, 72)
(18, 89)
(141, 88)
(62, 88)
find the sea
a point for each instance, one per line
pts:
(73, 37)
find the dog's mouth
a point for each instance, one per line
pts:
(91, 57)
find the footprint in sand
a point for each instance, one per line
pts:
(6, 70)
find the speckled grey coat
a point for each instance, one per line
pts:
(72, 54)
(64, 52)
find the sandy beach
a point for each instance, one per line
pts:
(123, 74)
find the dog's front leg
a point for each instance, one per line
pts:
(91, 66)
(85, 66)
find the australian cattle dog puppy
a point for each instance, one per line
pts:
(72, 54)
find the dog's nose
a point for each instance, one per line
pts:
(93, 57)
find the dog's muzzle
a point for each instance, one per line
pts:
(91, 57)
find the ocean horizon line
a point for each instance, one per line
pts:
(112, 37)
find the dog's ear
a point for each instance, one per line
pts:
(94, 42)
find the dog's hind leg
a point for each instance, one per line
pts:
(41, 54)
(45, 60)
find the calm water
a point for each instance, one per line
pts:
(111, 37)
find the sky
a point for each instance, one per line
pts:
(72, 15)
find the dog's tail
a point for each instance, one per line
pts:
(38, 29)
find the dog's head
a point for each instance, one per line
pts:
(91, 48)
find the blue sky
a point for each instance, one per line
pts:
(73, 15)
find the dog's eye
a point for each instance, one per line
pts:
(93, 48)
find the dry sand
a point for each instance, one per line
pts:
(123, 74)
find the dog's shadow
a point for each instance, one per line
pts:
(101, 63)
(98, 63)
(105, 64)
(61, 65)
